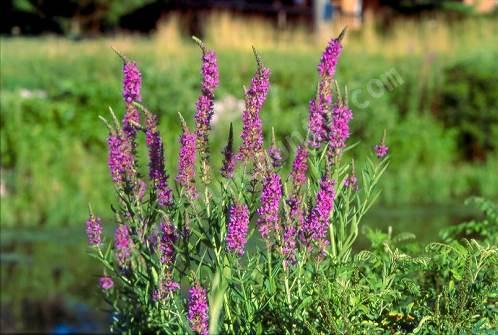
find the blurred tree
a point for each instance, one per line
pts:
(75, 17)
(469, 104)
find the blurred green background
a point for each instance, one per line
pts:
(441, 117)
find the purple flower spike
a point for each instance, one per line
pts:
(165, 287)
(120, 161)
(316, 124)
(289, 244)
(209, 71)
(351, 182)
(205, 103)
(296, 212)
(141, 189)
(320, 105)
(157, 171)
(132, 82)
(317, 222)
(252, 129)
(131, 118)
(275, 156)
(186, 163)
(269, 207)
(329, 59)
(296, 219)
(238, 227)
(381, 150)
(300, 167)
(122, 243)
(229, 159)
(94, 230)
(339, 130)
(166, 244)
(198, 309)
(106, 282)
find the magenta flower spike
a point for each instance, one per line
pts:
(238, 228)
(166, 243)
(292, 228)
(106, 282)
(339, 129)
(351, 182)
(320, 105)
(316, 124)
(252, 128)
(315, 225)
(330, 57)
(120, 158)
(157, 172)
(229, 158)
(186, 163)
(132, 82)
(94, 230)
(289, 243)
(300, 167)
(198, 309)
(165, 287)
(381, 149)
(205, 102)
(269, 206)
(274, 152)
(122, 244)
(132, 85)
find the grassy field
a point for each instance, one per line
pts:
(53, 149)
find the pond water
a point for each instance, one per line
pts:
(48, 282)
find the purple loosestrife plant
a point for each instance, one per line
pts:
(165, 236)
(186, 163)
(198, 309)
(238, 228)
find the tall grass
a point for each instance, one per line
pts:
(405, 37)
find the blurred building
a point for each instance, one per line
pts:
(482, 6)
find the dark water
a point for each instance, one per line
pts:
(49, 283)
